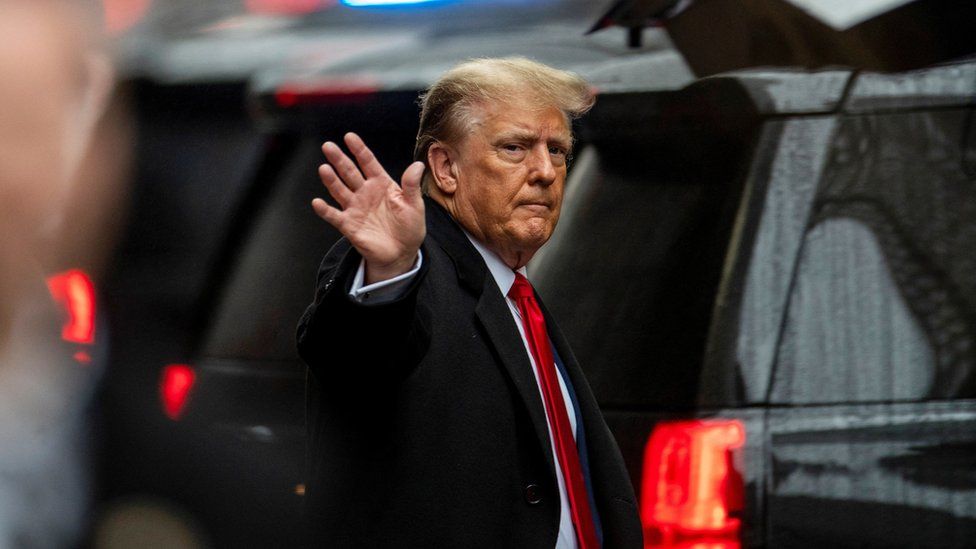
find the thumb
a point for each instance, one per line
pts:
(410, 182)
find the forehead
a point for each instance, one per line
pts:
(520, 119)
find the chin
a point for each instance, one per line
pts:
(533, 241)
(530, 235)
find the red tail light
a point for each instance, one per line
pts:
(76, 293)
(691, 493)
(174, 388)
(331, 92)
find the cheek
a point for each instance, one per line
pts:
(499, 195)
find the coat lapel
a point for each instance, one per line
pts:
(494, 316)
(500, 327)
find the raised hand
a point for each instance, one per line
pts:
(383, 221)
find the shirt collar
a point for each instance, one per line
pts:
(503, 275)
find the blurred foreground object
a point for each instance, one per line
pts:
(56, 176)
(882, 35)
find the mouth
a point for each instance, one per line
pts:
(536, 206)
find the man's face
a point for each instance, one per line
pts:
(511, 169)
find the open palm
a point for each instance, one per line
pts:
(383, 221)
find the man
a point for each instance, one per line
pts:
(439, 413)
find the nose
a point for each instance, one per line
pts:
(542, 170)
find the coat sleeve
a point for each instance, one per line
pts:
(339, 338)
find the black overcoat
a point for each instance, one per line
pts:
(425, 423)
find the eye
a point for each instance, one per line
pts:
(514, 151)
(559, 155)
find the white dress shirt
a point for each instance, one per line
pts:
(388, 290)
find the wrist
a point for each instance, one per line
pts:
(378, 272)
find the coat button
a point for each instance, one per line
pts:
(533, 494)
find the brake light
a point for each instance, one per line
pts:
(332, 92)
(174, 388)
(76, 293)
(691, 492)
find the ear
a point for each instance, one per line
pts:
(440, 158)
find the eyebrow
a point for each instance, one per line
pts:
(521, 135)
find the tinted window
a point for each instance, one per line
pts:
(884, 301)
(196, 155)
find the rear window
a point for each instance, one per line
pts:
(196, 155)
(883, 305)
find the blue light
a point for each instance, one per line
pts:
(368, 3)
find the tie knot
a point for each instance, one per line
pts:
(521, 289)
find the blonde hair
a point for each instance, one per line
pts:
(446, 108)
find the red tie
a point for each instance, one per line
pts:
(535, 333)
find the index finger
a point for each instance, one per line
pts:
(365, 158)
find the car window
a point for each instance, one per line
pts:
(881, 307)
(849, 335)
(195, 162)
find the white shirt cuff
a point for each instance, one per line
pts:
(386, 290)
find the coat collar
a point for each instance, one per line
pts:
(470, 266)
